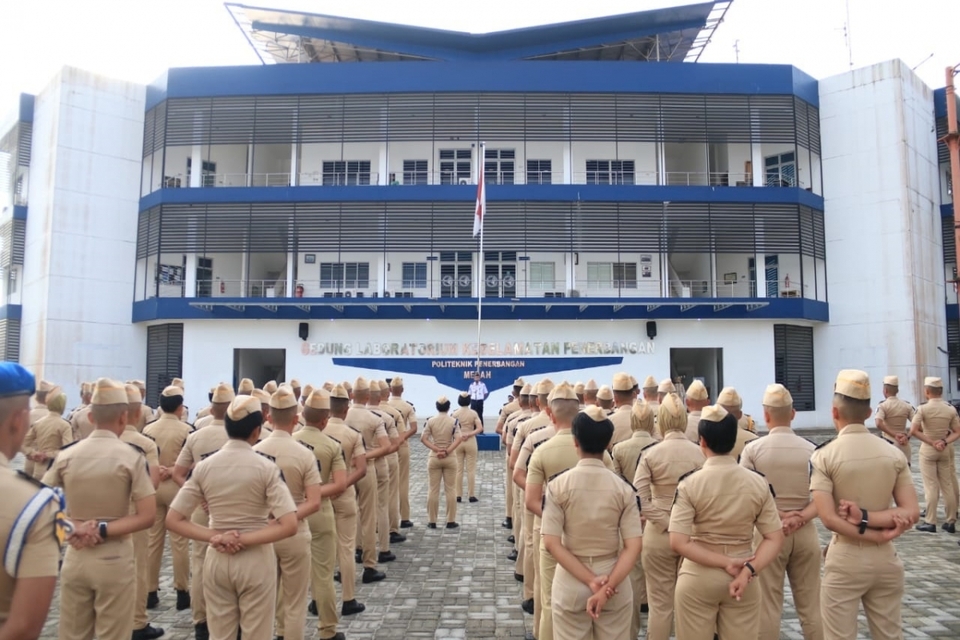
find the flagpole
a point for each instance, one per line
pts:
(481, 189)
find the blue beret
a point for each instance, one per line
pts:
(16, 381)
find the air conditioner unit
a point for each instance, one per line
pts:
(386, 294)
(574, 293)
(360, 294)
(464, 181)
(348, 294)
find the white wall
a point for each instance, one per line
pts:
(882, 228)
(82, 229)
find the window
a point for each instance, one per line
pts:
(204, 277)
(612, 275)
(346, 172)
(610, 172)
(415, 172)
(498, 166)
(793, 363)
(456, 166)
(539, 171)
(541, 276)
(781, 170)
(208, 175)
(414, 275)
(344, 275)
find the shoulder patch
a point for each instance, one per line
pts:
(67, 446)
(204, 456)
(138, 448)
(687, 474)
(540, 443)
(557, 475)
(823, 444)
(308, 446)
(267, 456)
(30, 479)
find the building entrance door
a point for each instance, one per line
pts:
(705, 364)
(260, 365)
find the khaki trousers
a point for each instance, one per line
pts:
(799, 560)
(529, 556)
(548, 571)
(141, 544)
(660, 566)
(953, 475)
(404, 454)
(241, 593)
(638, 583)
(467, 462)
(508, 487)
(936, 470)
(323, 551)
(704, 606)
(437, 469)
(97, 592)
(179, 546)
(293, 581)
(367, 522)
(855, 573)
(570, 618)
(537, 581)
(383, 504)
(393, 465)
(198, 598)
(345, 515)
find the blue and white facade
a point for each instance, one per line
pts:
(740, 223)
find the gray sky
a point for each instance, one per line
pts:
(138, 39)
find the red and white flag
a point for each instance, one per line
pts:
(481, 204)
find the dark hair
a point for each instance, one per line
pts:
(443, 407)
(339, 405)
(169, 404)
(593, 437)
(242, 429)
(463, 401)
(210, 396)
(719, 436)
(517, 389)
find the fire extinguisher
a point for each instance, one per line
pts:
(223, 287)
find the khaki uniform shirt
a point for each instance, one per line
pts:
(783, 458)
(170, 435)
(859, 467)
(659, 472)
(626, 455)
(747, 423)
(469, 419)
(38, 413)
(327, 452)
(407, 411)
(507, 410)
(350, 442)
(40, 552)
(722, 503)
(371, 427)
(386, 408)
(240, 487)
(100, 475)
(82, 424)
(298, 465)
(442, 429)
(622, 431)
(744, 437)
(592, 509)
(936, 419)
(536, 438)
(202, 444)
(144, 444)
(48, 435)
(513, 423)
(693, 427)
(895, 414)
(538, 420)
(388, 423)
(146, 417)
(203, 422)
(203, 413)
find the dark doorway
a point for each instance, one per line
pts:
(260, 365)
(705, 364)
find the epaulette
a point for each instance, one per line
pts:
(67, 446)
(319, 468)
(204, 456)
(354, 428)
(629, 484)
(308, 446)
(759, 473)
(653, 444)
(823, 444)
(537, 429)
(138, 448)
(148, 436)
(688, 473)
(540, 443)
(267, 456)
(554, 476)
(764, 476)
(30, 479)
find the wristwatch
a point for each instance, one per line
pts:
(753, 572)
(102, 529)
(863, 521)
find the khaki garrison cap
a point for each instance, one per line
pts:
(361, 384)
(621, 382)
(578, 388)
(55, 391)
(464, 394)
(86, 388)
(243, 406)
(666, 386)
(650, 383)
(340, 392)
(605, 393)
(177, 382)
(307, 390)
(246, 387)
(328, 386)
(562, 391)
(270, 387)
(853, 384)
(384, 387)
(518, 382)
(777, 395)
(106, 391)
(891, 381)
(672, 405)
(346, 385)
(223, 394)
(295, 384)
(729, 397)
(133, 394)
(696, 391)
(319, 399)
(262, 396)
(935, 383)
(633, 382)
(713, 413)
(442, 400)
(642, 410)
(172, 392)
(527, 390)
(591, 385)
(283, 399)
(44, 386)
(545, 387)
(595, 413)
(396, 381)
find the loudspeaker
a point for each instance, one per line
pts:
(651, 329)
(305, 330)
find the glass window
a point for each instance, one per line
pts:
(415, 172)
(611, 172)
(498, 166)
(539, 171)
(456, 166)
(542, 276)
(612, 275)
(781, 170)
(414, 275)
(349, 172)
(344, 275)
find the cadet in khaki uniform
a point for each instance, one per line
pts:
(937, 426)
(893, 416)
(101, 476)
(854, 478)
(626, 459)
(323, 530)
(410, 419)
(470, 427)
(590, 389)
(386, 407)
(605, 399)
(39, 411)
(623, 402)
(441, 434)
(506, 438)
(47, 436)
(200, 445)
(716, 510)
(783, 458)
(241, 489)
(141, 539)
(589, 513)
(387, 485)
(345, 504)
(170, 434)
(731, 402)
(246, 387)
(516, 520)
(86, 390)
(696, 400)
(658, 474)
(649, 391)
(81, 423)
(665, 388)
(298, 468)
(28, 518)
(378, 446)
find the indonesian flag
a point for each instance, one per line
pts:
(481, 204)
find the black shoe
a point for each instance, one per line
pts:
(507, 524)
(452, 525)
(406, 524)
(278, 638)
(312, 608)
(396, 538)
(147, 633)
(183, 600)
(337, 636)
(511, 539)
(512, 556)
(644, 608)
(923, 513)
(527, 606)
(473, 499)
(352, 607)
(372, 575)
(431, 525)
(459, 499)
(949, 527)
(201, 632)
(528, 635)
(153, 600)
(336, 576)
(358, 556)
(926, 527)
(518, 577)
(386, 556)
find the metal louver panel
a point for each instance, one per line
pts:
(12, 235)
(772, 118)
(501, 116)
(793, 363)
(949, 242)
(24, 140)
(943, 153)
(546, 117)
(953, 342)
(10, 339)
(164, 358)
(728, 119)
(593, 117)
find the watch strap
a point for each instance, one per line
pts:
(864, 518)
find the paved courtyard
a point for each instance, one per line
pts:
(459, 584)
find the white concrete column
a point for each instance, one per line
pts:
(570, 267)
(661, 164)
(196, 166)
(249, 180)
(756, 159)
(244, 269)
(190, 276)
(291, 265)
(294, 164)
(382, 178)
(761, 269)
(567, 164)
(383, 275)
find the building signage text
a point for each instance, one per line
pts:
(470, 349)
